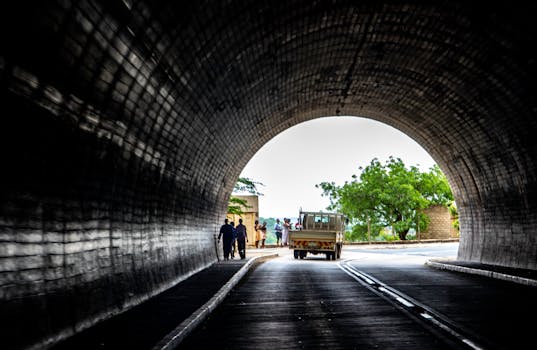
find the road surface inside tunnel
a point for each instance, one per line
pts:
(313, 303)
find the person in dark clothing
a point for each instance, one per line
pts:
(242, 238)
(233, 245)
(263, 230)
(227, 232)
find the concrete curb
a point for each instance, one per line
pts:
(175, 337)
(486, 273)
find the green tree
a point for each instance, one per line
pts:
(388, 195)
(243, 185)
(454, 212)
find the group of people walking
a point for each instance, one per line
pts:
(232, 236)
(236, 236)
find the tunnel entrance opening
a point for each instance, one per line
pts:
(332, 149)
(125, 123)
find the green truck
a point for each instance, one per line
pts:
(318, 233)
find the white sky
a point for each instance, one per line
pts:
(326, 149)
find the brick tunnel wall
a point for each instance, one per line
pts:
(126, 123)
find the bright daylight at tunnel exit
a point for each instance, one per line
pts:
(328, 174)
(289, 169)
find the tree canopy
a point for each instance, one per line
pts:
(243, 185)
(389, 194)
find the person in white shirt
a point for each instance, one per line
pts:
(278, 230)
(285, 231)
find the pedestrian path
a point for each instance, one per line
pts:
(147, 324)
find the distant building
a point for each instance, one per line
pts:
(440, 226)
(250, 214)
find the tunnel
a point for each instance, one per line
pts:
(125, 125)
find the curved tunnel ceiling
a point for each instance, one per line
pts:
(126, 123)
(195, 90)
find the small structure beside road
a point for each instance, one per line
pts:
(249, 215)
(440, 225)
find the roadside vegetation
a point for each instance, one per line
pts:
(244, 185)
(386, 201)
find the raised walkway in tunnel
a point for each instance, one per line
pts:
(165, 319)
(147, 324)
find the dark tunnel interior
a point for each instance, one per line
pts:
(118, 160)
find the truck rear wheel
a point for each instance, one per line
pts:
(336, 253)
(303, 254)
(296, 253)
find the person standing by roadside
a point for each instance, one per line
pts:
(242, 238)
(278, 230)
(257, 233)
(285, 231)
(226, 230)
(263, 230)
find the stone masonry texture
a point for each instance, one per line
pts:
(125, 124)
(440, 224)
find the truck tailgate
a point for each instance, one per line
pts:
(313, 240)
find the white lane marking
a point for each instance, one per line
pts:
(396, 295)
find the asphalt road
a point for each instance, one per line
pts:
(378, 298)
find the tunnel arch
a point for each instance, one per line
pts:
(291, 164)
(127, 122)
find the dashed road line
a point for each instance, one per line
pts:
(408, 304)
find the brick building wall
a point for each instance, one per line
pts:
(440, 225)
(250, 214)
